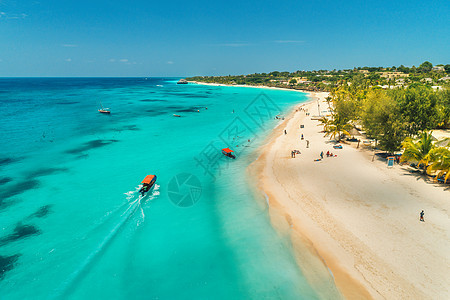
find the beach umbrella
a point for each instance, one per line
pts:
(354, 132)
(443, 143)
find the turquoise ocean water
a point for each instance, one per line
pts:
(73, 225)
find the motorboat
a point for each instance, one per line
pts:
(228, 152)
(147, 184)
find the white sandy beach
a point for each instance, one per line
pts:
(247, 86)
(355, 216)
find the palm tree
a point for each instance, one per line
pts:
(440, 161)
(418, 150)
(336, 127)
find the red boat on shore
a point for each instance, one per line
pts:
(147, 184)
(228, 152)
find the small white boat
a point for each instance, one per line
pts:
(103, 110)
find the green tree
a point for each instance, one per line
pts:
(443, 108)
(440, 162)
(393, 134)
(375, 112)
(293, 81)
(347, 102)
(425, 67)
(382, 121)
(447, 69)
(336, 127)
(373, 78)
(417, 105)
(403, 69)
(418, 150)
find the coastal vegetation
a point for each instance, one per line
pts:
(418, 150)
(440, 162)
(327, 80)
(397, 119)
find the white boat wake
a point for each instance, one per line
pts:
(133, 204)
(138, 201)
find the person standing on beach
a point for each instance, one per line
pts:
(421, 216)
(307, 144)
(285, 132)
(321, 155)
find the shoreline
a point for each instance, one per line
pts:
(352, 217)
(252, 86)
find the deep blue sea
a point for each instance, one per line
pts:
(72, 224)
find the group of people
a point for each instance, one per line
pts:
(328, 154)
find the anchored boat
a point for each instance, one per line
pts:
(147, 184)
(228, 152)
(103, 110)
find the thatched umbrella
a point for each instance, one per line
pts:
(443, 143)
(354, 132)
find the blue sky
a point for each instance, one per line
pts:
(183, 38)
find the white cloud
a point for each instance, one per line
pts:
(125, 61)
(170, 62)
(68, 59)
(69, 45)
(8, 16)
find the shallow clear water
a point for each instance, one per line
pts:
(72, 222)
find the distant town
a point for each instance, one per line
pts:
(435, 76)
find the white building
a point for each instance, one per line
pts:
(438, 68)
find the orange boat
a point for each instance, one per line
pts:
(147, 184)
(228, 152)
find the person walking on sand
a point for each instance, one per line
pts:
(421, 216)
(321, 155)
(285, 132)
(307, 143)
(302, 136)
